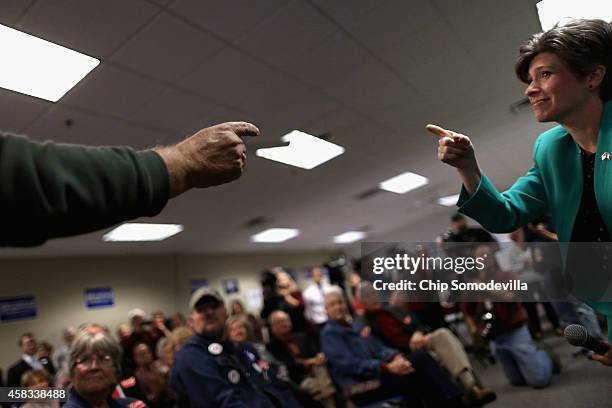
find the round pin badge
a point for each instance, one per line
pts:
(233, 376)
(215, 349)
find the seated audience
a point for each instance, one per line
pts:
(304, 361)
(149, 381)
(407, 335)
(368, 371)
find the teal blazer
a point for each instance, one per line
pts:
(553, 185)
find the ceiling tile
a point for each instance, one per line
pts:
(168, 57)
(230, 18)
(230, 77)
(334, 121)
(238, 80)
(84, 128)
(484, 12)
(294, 30)
(113, 91)
(93, 28)
(327, 61)
(420, 47)
(163, 3)
(371, 88)
(382, 24)
(11, 10)
(449, 78)
(123, 134)
(19, 110)
(179, 113)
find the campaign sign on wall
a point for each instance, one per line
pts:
(99, 298)
(197, 284)
(231, 286)
(17, 308)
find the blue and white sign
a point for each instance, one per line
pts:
(17, 308)
(197, 284)
(99, 298)
(231, 286)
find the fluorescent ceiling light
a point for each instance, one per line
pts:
(552, 12)
(142, 232)
(404, 183)
(349, 237)
(449, 201)
(275, 235)
(304, 151)
(36, 67)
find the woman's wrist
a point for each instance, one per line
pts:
(470, 176)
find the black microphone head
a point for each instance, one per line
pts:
(576, 334)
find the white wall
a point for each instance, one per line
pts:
(150, 283)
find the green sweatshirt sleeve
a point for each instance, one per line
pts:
(52, 190)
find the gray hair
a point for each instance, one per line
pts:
(367, 293)
(96, 342)
(275, 314)
(334, 290)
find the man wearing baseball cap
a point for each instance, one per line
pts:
(210, 372)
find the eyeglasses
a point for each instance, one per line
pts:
(87, 361)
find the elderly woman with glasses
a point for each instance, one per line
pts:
(94, 372)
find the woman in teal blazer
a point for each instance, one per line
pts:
(568, 71)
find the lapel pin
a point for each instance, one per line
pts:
(606, 156)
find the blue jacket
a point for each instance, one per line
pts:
(553, 184)
(76, 401)
(352, 358)
(212, 373)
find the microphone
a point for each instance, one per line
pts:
(577, 335)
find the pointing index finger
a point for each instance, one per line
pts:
(438, 131)
(244, 128)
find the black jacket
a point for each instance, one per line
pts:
(13, 377)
